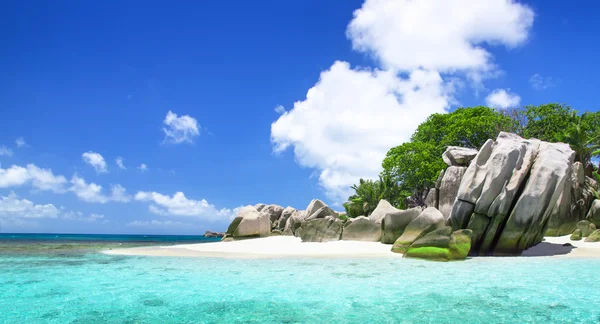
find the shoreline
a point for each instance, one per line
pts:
(280, 247)
(273, 247)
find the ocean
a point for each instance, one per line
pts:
(64, 279)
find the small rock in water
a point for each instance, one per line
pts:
(567, 244)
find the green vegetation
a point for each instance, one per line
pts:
(368, 193)
(410, 169)
(548, 122)
(414, 166)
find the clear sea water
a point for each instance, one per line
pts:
(80, 285)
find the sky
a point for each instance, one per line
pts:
(147, 117)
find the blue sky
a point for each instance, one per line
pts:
(84, 83)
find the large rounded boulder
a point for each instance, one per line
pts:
(593, 215)
(285, 215)
(458, 156)
(508, 192)
(393, 224)
(322, 213)
(321, 230)
(383, 207)
(313, 206)
(429, 220)
(274, 212)
(594, 237)
(441, 245)
(361, 229)
(586, 228)
(293, 224)
(249, 222)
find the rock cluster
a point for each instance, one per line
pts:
(509, 191)
(323, 229)
(214, 234)
(499, 200)
(443, 195)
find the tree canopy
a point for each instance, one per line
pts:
(411, 168)
(369, 192)
(466, 127)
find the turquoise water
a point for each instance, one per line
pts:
(69, 244)
(97, 288)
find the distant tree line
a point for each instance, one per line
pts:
(411, 169)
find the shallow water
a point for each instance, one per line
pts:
(92, 287)
(75, 244)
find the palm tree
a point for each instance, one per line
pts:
(368, 193)
(585, 144)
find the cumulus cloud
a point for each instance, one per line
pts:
(502, 99)
(180, 129)
(143, 167)
(95, 160)
(20, 142)
(93, 193)
(180, 205)
(80, 217)
(119, 162)
(13, 207)
(5, 151)
(352, 116)
(445, 36)
(42, 179)
(539, 82)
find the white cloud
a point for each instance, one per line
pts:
(5, 151)
(179, 205)
(539, 82)
(87, 192)
(119, 162)
(502, 99)
(119, 194)
(91, 192)
(279, 109)
(143, 167)
(180, 129)
(79, 216)
(95, 160)
(20, 142)
(42, 179)
(12, 206)
(351, 117)
(445, 36)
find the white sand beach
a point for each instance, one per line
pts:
(268, 247)
(553, 247)
(289, 247)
